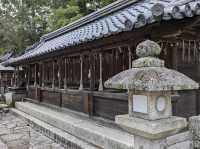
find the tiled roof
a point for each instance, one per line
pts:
(3, 68)
(123, 15)
(6, 56)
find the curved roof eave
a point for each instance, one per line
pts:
(108, 21)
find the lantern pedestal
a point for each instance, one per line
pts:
(156, 129)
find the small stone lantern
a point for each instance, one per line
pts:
(150, 86)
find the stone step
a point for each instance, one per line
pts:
(91, 131)
(54, 133)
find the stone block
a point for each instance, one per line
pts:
(194, 127)
(9, 98)
(151, 129)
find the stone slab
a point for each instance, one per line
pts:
(54, 133)
(151, 129)
(83, 128)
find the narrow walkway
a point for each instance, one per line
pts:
(15, 133)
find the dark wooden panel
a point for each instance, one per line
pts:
(109, 107)
(73, 101)
(51, 97)
(185, 104)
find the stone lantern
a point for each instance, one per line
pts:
(150, 86)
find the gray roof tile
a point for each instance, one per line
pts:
(122, 15)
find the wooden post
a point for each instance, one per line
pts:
(28, 76)
(43, 73)
(198, 80)
(53, 75)
(59, 74)
(35, 76)
(39, 74)
(130, 57)
(81, 77)
(65, 80)
(92, 83)
(1, 79)
(175, 57)
(101, 73)
(17, 77)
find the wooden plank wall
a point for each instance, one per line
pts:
(109, 107)
(72, 101)
(51, 97)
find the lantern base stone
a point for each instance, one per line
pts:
(156, 129)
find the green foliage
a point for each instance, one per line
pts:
(23, 22)
(63, 16)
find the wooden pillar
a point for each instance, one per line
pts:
(175, 57)
(53, 75)
(43, 73)
(101, 73)
(65, 79)
(59, 73)
(39, 74)
(198, 80)
(17, 76)
(81, 76)
(130, 57)
(35, 76)
(28, 76)
(1, 78)
(92, 83)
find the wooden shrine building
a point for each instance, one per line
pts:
(6, 73)
(68, 67)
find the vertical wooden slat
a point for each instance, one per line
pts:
(53, 74)
(175, 57)
(39, 74)
(35, 75)
(43, 73)
(28, 77)
(129, 57)
(183, 50)
(59, 73)
(189, 51)
(17, 76)
(81, 72)
(101, 73)
(198, 91)
(91, 71)
(65, 80)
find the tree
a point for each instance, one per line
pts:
(23, 22)
(63, 15)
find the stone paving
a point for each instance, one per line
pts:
(15, 133)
